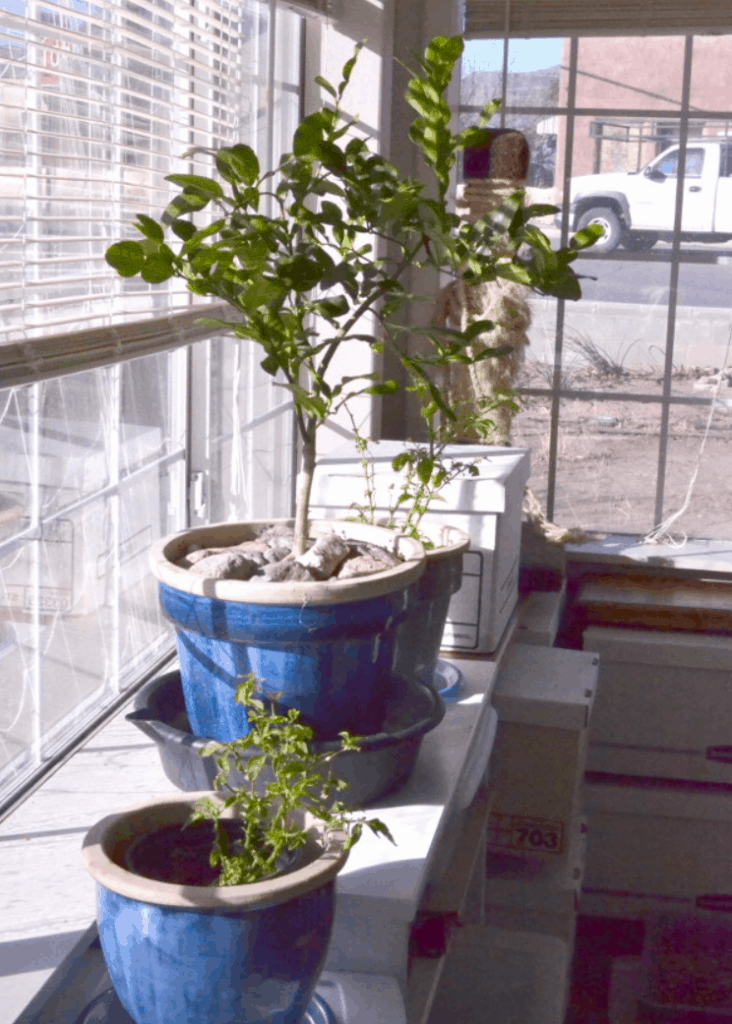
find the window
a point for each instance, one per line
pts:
(158, 425)
(625, 402)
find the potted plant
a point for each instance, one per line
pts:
(292, 252)
(220, 906)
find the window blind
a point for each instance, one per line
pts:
(490, 19)
(99, 100)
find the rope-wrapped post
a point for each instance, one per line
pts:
(493, 172)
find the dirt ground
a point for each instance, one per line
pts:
(609, 451)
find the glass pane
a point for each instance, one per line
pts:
(151, 424)
(18, 696)
(706, 496)
(78, 607)
(607, 455)
(643, 72)
(251, 465)
(15, 464)
(150, 507)
(711, 88)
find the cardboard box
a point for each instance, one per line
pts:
(656, 849)
(486, 507)
(544, 699)
(664, 705)
(545, 901)
(497, 976)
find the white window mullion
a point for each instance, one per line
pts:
(199, 434)
(114, 442)
(36, 574)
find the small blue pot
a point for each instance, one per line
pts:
(327, 648)
(182, 954)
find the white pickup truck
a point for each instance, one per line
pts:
(637, 208)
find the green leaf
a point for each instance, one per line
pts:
(478, 327)
(586, 237)
(238, 164)
(348, 69)
(270, 365)
(516, 272)
(400, 461)
(127, 258)
(541, 210)
(157, 268)
(300, 273)
(335, 307)
(184, 229)
(325, 84)
(386, 387)
(445, 50)
(197, 183)
(150, 228)
(425, 466)
(308, 138)
(186, 202)
(263, 292)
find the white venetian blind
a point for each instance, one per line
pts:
(99, 99)
(559, 18)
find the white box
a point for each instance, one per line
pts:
(487, 508)
(539, 615)
(664, 704)
(503, 977)
(651, 849)
(544, 699)
(545, 902)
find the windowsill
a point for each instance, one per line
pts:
(50, 899)
(701, 557)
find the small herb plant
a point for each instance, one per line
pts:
(302, 781)
(314, 253)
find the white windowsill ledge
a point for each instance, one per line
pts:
(705, 557)
(48, 898)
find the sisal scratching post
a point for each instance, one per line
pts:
(493, 172)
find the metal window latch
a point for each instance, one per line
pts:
(197, 493)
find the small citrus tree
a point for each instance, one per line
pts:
(344, 230)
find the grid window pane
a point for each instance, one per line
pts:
(649, 159)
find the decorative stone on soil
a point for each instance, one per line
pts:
(269, 559)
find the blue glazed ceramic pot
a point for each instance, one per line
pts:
(419, 636)
(328, 647)
(186, 954)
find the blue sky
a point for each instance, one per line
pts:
(523, 54)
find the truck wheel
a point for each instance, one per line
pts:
(610, 224)
(639, 241)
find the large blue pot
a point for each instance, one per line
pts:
(419, 636)
(182, 954)
(327, 648)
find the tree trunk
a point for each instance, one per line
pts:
(303, 487)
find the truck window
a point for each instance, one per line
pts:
(694, 163)
(725, 162)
